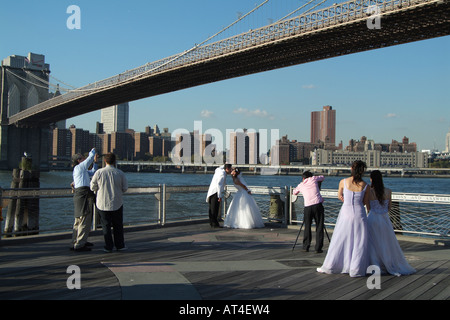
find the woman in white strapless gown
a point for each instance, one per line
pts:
(243, 212)
(384, 249)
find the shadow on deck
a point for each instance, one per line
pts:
(194, 262)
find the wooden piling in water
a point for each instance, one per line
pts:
(22, 217)
(9, 221)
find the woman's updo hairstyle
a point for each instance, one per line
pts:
(358, 168)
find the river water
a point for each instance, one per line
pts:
(62, 179)
(57, 214)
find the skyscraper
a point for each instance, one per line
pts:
(244, 147)
(115, 118)
(323, 126)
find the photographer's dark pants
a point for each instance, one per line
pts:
(315, 212)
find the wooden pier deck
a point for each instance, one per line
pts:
(194, 262)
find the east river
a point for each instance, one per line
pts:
(57, 214)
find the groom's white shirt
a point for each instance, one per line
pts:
(218, 183)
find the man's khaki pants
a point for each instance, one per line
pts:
(81, 229)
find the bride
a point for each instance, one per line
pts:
(243, 212)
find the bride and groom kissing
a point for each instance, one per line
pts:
(243, 212)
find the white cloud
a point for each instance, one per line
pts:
(308, 86)
(206, 114)
(254, 113)
(240, 111)
(391, 115)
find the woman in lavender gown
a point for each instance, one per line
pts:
(348, 252)
(384, 249)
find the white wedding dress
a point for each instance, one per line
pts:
(243, 212)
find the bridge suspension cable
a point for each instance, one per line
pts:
(63, 82)
(30, 82)
(204, 41)
(235, 22)
(44, 84)
(300, 8)
(177, 56)
(56, 86)
(196, 46)
(313, 7)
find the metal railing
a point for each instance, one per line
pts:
(151, 209)
(411, 213)
(326, 169)
(142, 205)
(418, 214)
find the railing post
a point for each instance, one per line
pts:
(1, 213)
(224, 204)
(94, 217)
(286, 205)
(163, 222)
(158, 196)
(290, 204)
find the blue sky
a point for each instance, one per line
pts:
(383, 94)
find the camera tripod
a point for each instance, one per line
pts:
(299, 231)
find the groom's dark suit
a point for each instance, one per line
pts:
(215, 192)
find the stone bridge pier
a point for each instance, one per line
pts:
(24, 82)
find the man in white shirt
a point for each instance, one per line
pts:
(215, 193)
(110, 183)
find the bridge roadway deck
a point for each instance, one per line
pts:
(194, 262)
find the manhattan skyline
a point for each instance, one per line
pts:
(383, 94)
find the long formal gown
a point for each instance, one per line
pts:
(347, 252)
(243, 212)
(384, 249)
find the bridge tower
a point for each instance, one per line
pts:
(23, 84)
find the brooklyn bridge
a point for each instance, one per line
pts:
(341, 29)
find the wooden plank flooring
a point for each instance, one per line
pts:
(219, 264)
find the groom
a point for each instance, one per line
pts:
(215, 193)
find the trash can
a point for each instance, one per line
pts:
(276, 209)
